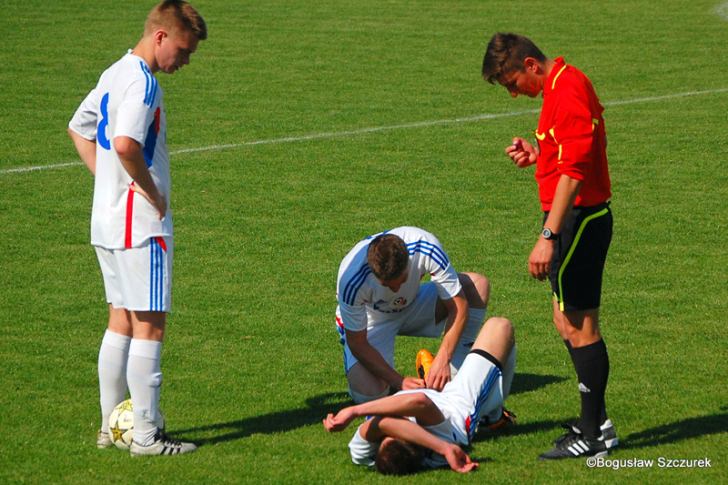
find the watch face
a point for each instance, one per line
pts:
(546, 233)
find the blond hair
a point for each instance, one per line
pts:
(176, 15)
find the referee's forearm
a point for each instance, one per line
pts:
(566, 191)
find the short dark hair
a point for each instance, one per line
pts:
(176, 14)
(397, 457)
(505, 54)
(387, 256)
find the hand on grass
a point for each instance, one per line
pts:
(458, 460)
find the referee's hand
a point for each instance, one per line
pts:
(522, 153)
(539, 262)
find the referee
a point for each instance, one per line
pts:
(574, 189)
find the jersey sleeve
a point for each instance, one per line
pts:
(362, 451)
(353, 317)
(574, 130)
(437, 264)
(135, 112)
(352, 294)
(85, 118)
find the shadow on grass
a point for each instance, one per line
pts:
(517, 430)
(531, 382)
(316, 409)
(677, 431)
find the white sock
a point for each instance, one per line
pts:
(113, 355)
(145, 378)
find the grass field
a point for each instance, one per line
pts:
(300, 127)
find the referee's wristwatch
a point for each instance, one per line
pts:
(548, 235)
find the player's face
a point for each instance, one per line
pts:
(521, 82)
(395, 283)
(175, 49)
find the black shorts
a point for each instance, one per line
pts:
(579, 256)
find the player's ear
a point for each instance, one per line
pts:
(531, 64)
(158, 35)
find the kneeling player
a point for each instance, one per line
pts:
(424, 428)
(381, 296)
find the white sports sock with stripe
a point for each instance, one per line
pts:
(145, 378)
(113, 355)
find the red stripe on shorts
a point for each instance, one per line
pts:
(129, 214)
(162, 244)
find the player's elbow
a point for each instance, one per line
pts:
(125, 147)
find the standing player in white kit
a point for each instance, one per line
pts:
(380, 296)
(120, 133)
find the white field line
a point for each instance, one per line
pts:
(375, 129)
(722, 10)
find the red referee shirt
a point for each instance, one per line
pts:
(571, 137)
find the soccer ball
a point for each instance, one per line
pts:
(121, 425)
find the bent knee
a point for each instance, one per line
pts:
(361, 398)
(503, 327)
(476, 288)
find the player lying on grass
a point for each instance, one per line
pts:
(425, 428)
(380, 296)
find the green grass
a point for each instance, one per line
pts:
(252, 362)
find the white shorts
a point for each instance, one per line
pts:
(476, 391)
(139, 279)
(416, 320)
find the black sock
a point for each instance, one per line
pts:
(592, 368)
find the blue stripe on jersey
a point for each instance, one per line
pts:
(490, 380)
(150, 90)
(429, 249)
(150, 141)
(355, 283)
(147, 88)
(155, 84)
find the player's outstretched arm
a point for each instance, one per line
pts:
(406, 430)
(416, 405)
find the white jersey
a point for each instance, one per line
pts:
(359, 292)
(127, 101)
